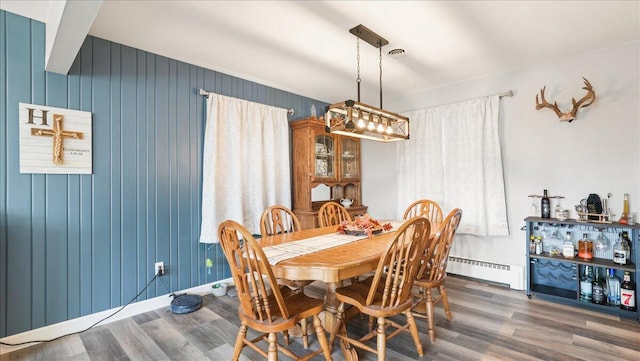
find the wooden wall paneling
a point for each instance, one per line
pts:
(142, 271)
(38, 185)
(56, 220)
(130, 221)
(101, 107)
(74, 208)
(196, 104)
(18, 200)
(74, 245)
(161, 160)
(86, 183)
(172, 177)
(4, 140)
(151, 204)
(115, 168)
(182, 170)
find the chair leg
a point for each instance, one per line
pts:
(337, 324)
(445, 302)
(272, 352)
(322, 338)
(305, 338)
(285, 334)
(242, 334)
(429, 302)
(381, 340)
(414, 332)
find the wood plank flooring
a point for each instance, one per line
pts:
(490, 323)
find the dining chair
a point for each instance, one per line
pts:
(433, 271)
(265, 306)
(278, 219)
(387, 293)
(332, 214)
(426, 208)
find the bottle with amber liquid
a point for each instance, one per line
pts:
(625, 210)
(545, 205)
(585, 247)
(628, 293)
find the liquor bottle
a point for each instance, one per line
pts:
(613, 288)
(627, 242)
(625, 210)
(628, 293)
(585, 247)
(568, 249)
(586, 280)
(539, 245)
(597, 288)
(602, 243)
(545, 205)
(532, 244)
(621, 250)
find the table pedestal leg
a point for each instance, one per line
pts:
(331, 306)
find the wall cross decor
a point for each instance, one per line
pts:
(58, 135)
(54, 140)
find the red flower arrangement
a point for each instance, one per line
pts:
(363, 225)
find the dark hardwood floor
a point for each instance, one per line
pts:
(490, 323)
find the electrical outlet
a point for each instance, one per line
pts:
(159, 268)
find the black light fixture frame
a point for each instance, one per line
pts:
(339, 117)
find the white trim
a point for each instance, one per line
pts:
(80, 323)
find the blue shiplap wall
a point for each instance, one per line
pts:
(72, 245)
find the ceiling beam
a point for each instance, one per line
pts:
(67, 25)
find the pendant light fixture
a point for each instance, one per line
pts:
(356, 119)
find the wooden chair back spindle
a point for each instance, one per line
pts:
(433, 272)
(425, 208)
(434, 265)
(332, 214)
(398, 267)
(251, 273)
(278, 219)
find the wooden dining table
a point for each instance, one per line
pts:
(331, 265)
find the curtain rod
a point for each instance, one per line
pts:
(508, 93)
(205, 93)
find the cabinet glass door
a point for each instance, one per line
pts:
(350, 167)
(324, 157)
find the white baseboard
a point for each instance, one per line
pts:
(511, 275)
(80, 323)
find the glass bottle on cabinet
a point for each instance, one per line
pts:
(324, 157)
(350, 168)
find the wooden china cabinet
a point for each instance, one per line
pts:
(321, 158)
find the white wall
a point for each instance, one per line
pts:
(598, 152)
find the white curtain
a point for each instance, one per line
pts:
(245, 163)
(453, 157)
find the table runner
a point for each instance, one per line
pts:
(281, 252)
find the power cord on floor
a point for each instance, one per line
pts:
(156, 276)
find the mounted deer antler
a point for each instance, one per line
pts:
(569, 116)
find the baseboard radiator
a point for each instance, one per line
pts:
(510, 275)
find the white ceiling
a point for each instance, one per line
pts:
(305, 46)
